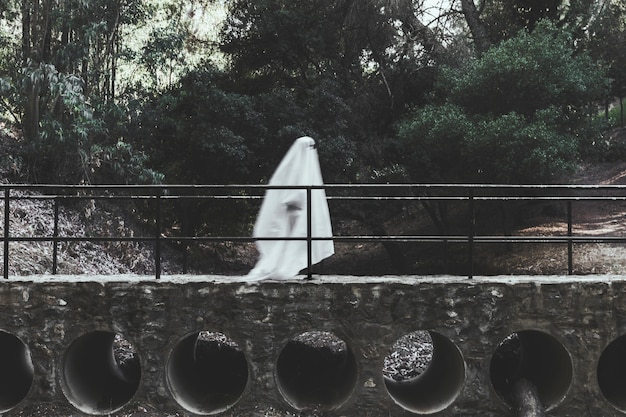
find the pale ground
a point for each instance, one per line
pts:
(606, 218)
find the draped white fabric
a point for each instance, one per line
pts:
(283, 213)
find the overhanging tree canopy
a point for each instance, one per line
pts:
(517, 114)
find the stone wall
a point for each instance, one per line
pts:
(57, 337)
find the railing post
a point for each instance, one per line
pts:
(309, 232)
(55, 237)
(472, 232)
(570, 249)
(6, 232)
(157, 242)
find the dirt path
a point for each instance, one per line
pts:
(607, 218)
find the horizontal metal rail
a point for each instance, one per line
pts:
(470, 194)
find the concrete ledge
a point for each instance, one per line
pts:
(571, 329)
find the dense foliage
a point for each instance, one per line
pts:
(208, 91)
(520, 113)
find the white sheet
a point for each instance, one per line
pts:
(283, 213)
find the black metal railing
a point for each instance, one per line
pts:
(466, 198)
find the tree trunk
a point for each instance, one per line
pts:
(526, 399)
(114, 68)
(438, 213)
(30, 119)
(476, 26)
(110, 54)
(26, 42)
(395, 250)
(46, 33)
(30, 122)
(413, 25)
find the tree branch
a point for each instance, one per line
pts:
(476, 26)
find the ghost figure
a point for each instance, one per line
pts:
(284, 214)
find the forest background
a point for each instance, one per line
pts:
(215, 91)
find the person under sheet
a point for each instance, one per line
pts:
(283, 213)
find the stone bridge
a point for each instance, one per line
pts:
(57, 335)
(63, 338)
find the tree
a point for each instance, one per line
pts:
(516, 115)
(372, 58)
(476, 26)
(491, 22)
(505, 19)
(606, 42)
(60, 87)
(79, 38)
(202, 130)
(525, 74)
(10, 64)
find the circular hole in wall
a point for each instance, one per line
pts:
(537, 357)
(101, 372)
(16, 368)
(424, 372)
(316, 370)
(612, 373)
(207, 372)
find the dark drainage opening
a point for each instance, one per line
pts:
(316, 370)
(612, 373)
(536, 357)
(207, 372)
(101, 372)
(16, 368)
(424, 372)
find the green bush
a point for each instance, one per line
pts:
(519, 114)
